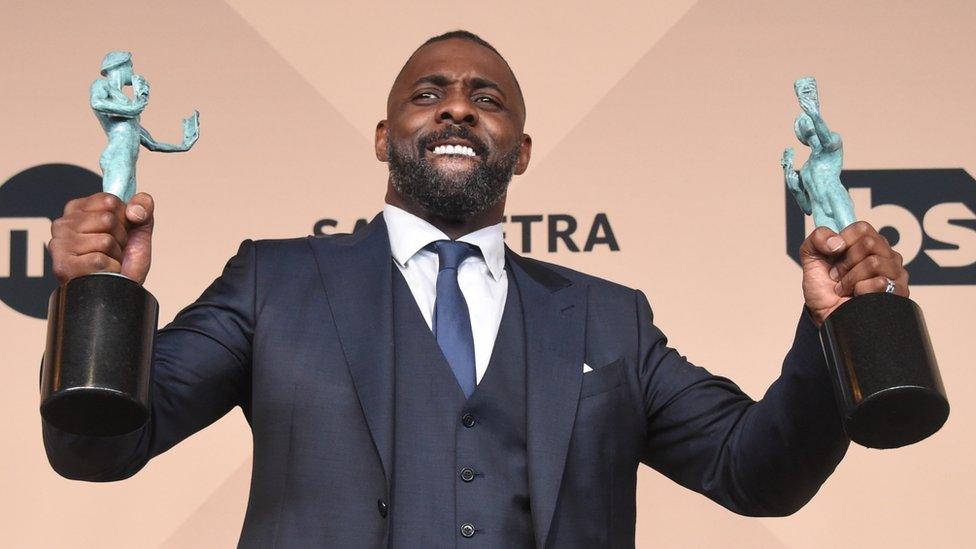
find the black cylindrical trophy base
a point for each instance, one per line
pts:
(884, 372)
(96, 371)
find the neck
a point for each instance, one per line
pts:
(453, 228)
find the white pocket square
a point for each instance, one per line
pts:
(586, 368)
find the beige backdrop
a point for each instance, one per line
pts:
(669, 116)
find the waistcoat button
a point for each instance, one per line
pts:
(381, 505)
(467, 475)
(467, 420)
(467, 530)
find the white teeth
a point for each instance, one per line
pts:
(454, 149)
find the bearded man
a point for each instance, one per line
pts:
(418, 384)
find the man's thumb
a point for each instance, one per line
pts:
(822, 243)
(137, 254)
(139, 212)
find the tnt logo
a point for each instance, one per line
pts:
(29, 201)
(929, 216)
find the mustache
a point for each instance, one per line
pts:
(461, 132)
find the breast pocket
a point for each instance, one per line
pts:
(602, 379)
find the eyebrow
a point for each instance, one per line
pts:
(477, 82)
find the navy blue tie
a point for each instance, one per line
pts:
(452, 322)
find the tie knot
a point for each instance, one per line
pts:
(450, 253)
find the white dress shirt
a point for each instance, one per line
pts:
(482, 278)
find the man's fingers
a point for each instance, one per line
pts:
(103, 201)
(880, 284)
(97, 223)
(94, 212)
(99, 262)
(822, 242)
(140, 209)
(871, 267)
(97, 243)
(869, 244)
(857, 230)
(73, 206)
(93, 203)
(80, 265)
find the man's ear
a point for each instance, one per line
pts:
(380, 141)
(525, 153)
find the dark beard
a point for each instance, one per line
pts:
(458, 197)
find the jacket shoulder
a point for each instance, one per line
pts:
(277, 253)
(276, 249)
(601, 287)
(275, 256)
(285, 245)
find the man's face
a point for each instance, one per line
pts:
(453, 134)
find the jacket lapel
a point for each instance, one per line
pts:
(555, 313)
(356, 271)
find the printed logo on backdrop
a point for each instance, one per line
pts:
(29, 201)
(929, 216)
(551, 232)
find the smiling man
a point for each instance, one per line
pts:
(453, 136)
(418, 384)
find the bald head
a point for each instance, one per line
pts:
(462, 41)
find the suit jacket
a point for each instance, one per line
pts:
(299, 334)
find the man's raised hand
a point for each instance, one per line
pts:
(100, 233)
(838, 266)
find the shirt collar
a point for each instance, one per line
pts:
(409, 234)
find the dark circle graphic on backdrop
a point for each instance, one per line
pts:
(29, 201)
(891, 234)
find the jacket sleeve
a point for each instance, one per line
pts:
(200, 371)
(765, 458)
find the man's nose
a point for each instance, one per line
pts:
(457, 109)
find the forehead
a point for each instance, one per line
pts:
(458, 60)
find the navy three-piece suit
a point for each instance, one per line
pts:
(362, 437)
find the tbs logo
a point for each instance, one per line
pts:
(29, 201)
(929, 216)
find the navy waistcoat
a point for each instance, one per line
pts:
(459, 475)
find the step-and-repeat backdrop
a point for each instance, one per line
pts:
(658, 128)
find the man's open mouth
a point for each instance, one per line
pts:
(454, 147)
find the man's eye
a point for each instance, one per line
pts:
(486, 99)
(425, 95)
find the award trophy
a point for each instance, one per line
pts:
(881, 362)
(96, 370)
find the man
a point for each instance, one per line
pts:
(416, 384)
